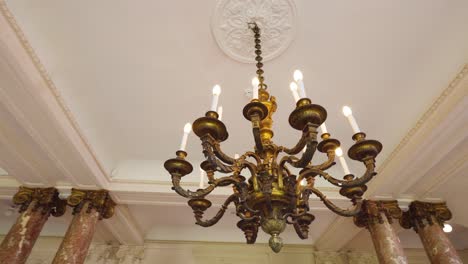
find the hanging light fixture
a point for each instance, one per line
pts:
(269, 196)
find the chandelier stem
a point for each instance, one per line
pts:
(258, 52)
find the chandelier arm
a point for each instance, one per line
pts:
(307, 156)
(218, 216)
(327, 164)
(200, 193)
(221, 155)
(309, 134)
(357, 200)
(368, 175)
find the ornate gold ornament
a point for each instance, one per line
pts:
(421, 214)
(371, 212)
(44, 199)
(272, 196)
(98, 200)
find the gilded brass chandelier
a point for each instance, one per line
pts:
(271, 196)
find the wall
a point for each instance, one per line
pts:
(155, 252)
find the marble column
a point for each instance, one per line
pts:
(377, 217)
(427, 219)
(89, 207)
(35, 206)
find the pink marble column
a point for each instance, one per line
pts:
(427, 220)
(377, 216)
(36, 204)
(89, 208)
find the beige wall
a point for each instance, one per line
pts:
(155, 252)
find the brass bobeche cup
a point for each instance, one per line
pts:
(179, 165)
(255, 107)
(352, 192)
(209, 124)
(199, 204)
(328, 144)
(306, 112)
(364, 148)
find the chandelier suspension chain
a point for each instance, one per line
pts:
(258, 51)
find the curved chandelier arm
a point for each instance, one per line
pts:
(330, 205)
(221, 155)
(200, 193)
(306, 158)
(219, 215)
(256, 132)
(308, 135)
(327, 164)
(370, 172)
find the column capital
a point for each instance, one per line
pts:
(371, 212)
(421, 214)
(45, 199)
(99, 200)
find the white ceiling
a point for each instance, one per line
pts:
(132, 74)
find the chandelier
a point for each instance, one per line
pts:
(270, 196)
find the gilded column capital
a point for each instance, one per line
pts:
(99, 200)
(45, 199)
(371, 212)
(421, 214)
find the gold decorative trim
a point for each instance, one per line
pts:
(371, 212)
(433, 108)
(98, 200)
(44, 199)
(421, 214)
(50, 84)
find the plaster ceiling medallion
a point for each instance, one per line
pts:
(276, 18)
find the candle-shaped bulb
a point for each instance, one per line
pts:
(255, 83)
(339, 153)
(298, 75)
(187, 129)
(236, 156)
(299, 78)
(323, 127)
(220, 113)
(349, 114)
(303, 182)
(293, 87)
(216, 93)
(347, 111)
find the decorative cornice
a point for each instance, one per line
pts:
(371, 213)
(5, 11)
(44, 199)
(98, 200)
(433, 108)
(421, 214)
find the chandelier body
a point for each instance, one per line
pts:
(270, 196)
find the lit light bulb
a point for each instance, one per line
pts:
(293, 87)
(255, 81)
(447, 228)
(347, 111)
(183, 143)
(298, 75)
(236, 156)
(339, 152)
(187, 128)
(303, 182)
(216, 90)
(216, 93)
(349, 114)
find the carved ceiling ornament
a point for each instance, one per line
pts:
(276, 18)
(99, 200)
(45, 199)
(371, 212)
(421, 214)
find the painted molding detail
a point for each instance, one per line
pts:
(276, 19)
